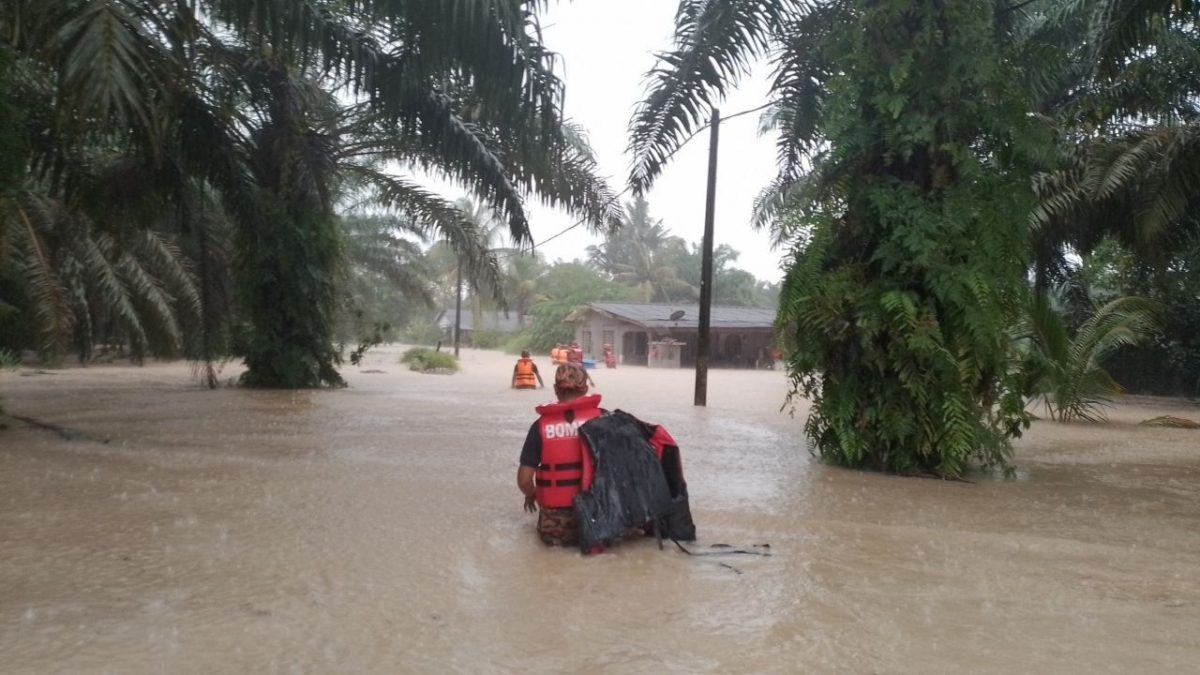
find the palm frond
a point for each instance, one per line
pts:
(433, 216)
(111, 60)
(1067, 372)
(51, 305)
(99, 260)
(715, 41)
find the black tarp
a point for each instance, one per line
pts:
(630, 488)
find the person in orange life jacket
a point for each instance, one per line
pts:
(575, 353)
(525, 372)
(551, 471)
(558, 354)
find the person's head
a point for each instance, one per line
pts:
(524, 353)
(570, 381)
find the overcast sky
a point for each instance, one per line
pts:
(606, 47)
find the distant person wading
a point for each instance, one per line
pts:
(525, 373)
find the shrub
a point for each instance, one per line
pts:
(518, 342)
(422, 332)
(487, 339)
(9, 360)
(1066, 370)
(425, 360)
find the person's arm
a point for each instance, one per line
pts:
(531, 456)
(539, 376)
(513, 384)
(525, 476)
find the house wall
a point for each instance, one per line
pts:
(733, 348)
(593, 331)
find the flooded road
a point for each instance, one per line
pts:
(378, 529)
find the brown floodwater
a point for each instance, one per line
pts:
(378, 529)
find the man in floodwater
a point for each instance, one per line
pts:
(525, 373)
(551, 471)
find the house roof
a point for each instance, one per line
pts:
(658, 315)
(488, 320)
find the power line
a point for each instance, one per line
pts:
(617, 196)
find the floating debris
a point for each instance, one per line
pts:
(1170, 421)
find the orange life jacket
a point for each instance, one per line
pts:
(524, 376)
(561, 473)
(556, 355)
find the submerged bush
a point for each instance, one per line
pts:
(425, 360)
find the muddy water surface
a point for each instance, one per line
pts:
(378, 529)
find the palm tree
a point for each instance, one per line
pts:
(522, 283)
(1129, 105)
(1067, 371)
(901, 147)
(386, 277)
(642, 253)
(234, 98)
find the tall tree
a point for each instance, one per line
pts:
(904, 163)
(1128, 107)
(234, 98)
(642, 253)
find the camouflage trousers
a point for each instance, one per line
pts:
(556, 527)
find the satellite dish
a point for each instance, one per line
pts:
(677, 315)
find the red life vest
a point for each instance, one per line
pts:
(560, 475)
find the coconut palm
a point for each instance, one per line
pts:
(522, 283)
(642, 253)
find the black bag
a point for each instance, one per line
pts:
(677, 522)
(628, 489)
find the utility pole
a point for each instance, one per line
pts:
(457, 307)
(706, 265)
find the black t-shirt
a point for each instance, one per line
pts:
(531, 452)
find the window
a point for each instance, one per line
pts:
(607, 338)
(587, 342)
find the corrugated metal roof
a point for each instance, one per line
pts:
(656, 315)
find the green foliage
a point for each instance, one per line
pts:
(424, 360)
(1066, 371)
(640, 253)
(904, 153)
(287, 265)
(659, 267)
(9, 360)
(482, 338)
(376, 337)
(1168, 363)
(219, 117)
(423, 331)
(1127, 102)
(898, 306)
(518, 342)
(568, 287)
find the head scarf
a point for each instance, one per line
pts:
(571, 377)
